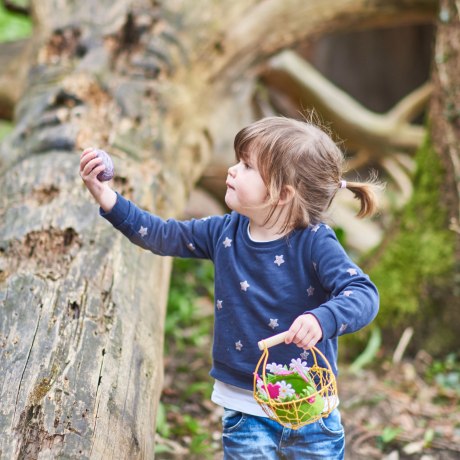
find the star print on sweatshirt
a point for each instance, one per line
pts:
(261, 286)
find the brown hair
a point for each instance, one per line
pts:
(301, 155)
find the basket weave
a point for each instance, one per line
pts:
(322, 396)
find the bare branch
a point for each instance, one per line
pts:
(412, 105)
(400, 178)
(356, 124)
(270, 26)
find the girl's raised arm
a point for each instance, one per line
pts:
(90, 166)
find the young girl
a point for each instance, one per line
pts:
(277, 267)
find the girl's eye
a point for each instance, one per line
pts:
(247, 165)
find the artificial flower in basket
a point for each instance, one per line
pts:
(296, 395)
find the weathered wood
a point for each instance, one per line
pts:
(81, 331)
(444, 116)
(14, 61)
(363, 128)
(444, 109)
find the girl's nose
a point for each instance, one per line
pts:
(232, 170)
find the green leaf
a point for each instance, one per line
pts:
(162, 449)
(428, 437)
(162, 423)
(370, 352)
(205, 388)
(13, 26)
(389, 434)
(200, 443)
(5, 128)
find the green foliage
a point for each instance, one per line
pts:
(186, 325)
(388, 435)
(188, 328)
(202, 388)
(13, 26)
(5, 128)
(428, 437)
(370, 352)
(162, 424)
(446, 373)
(419, 258)
(187, 427)
(415, 264)
(341, 235)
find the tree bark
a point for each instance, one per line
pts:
(445, 132)
(81, 331)
(418, 266)
(444, 115)
(14, 62)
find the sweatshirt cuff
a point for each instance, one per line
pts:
(119, 213)
(326, 320)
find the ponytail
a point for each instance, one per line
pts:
(365, 193)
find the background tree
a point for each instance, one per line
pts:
(417, 267)
(163, 88)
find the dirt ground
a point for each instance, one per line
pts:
(391, 413)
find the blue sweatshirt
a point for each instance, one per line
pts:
(261, 287)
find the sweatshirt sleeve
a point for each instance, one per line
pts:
(354, 299)
(193, 238)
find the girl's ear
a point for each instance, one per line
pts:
(287, 194)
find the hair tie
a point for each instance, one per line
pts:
(343, 184)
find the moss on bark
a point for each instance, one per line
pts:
(415, 268)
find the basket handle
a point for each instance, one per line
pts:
(265, 344)
(272, 341)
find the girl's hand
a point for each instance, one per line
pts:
(90, 166)
(305, 332)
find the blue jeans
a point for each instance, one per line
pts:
(248, 437)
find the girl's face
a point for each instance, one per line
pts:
(246, 191)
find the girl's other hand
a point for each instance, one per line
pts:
(305, 332)
(90, 166)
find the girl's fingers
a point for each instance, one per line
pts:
(95, 172)
(303, 341)
(92, 167)
(87, 150)
(301, 337)
(305, 332)
(310, 341)
(85, 153)
(86, 156)
(293, 331)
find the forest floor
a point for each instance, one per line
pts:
(391, 413)
(392, 409)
